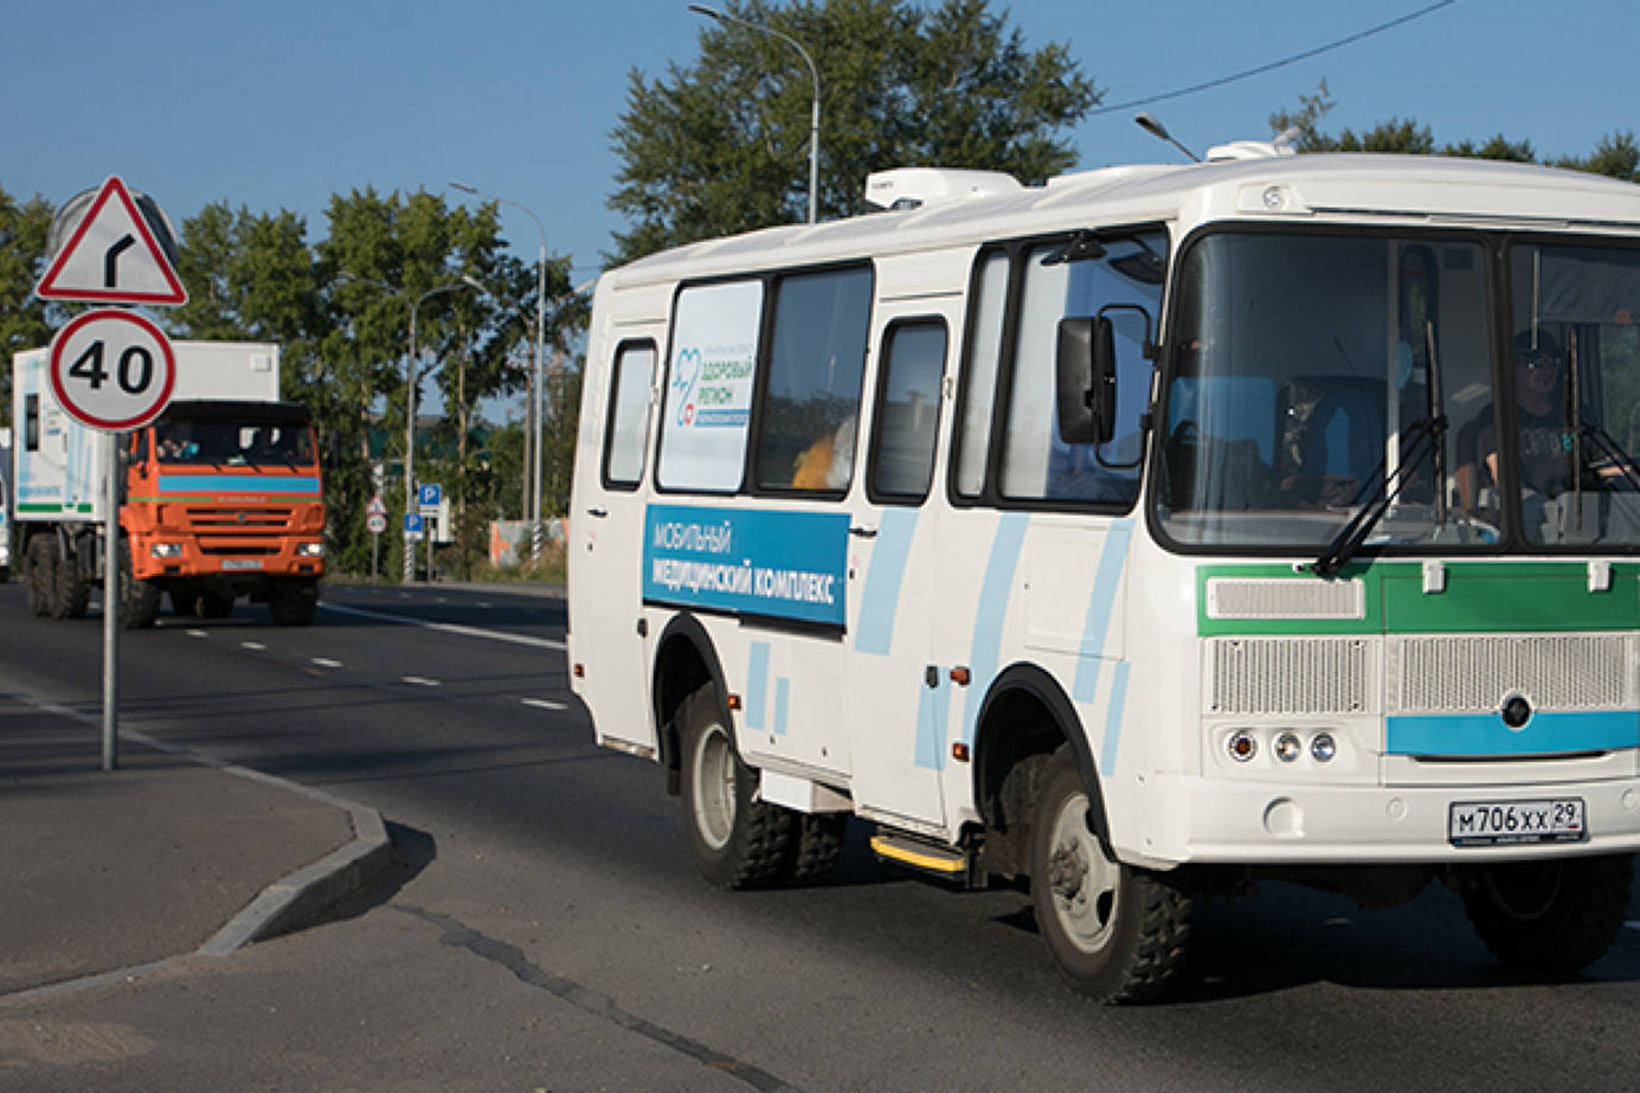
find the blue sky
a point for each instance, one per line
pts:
(281, 104)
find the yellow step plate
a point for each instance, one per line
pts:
(919, 855)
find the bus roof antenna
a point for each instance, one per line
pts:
(1159, 131)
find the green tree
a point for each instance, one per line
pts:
(23, 319)
(722, 147)
(1617, 155)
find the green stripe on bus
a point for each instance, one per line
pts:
(1480, 597)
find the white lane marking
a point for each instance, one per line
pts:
(197, 634)
(448, 627)
(421, 681)
(485, 604)
(441, 599)
(543, 704)
(252, 645)
(326, 662)
(1632, 925)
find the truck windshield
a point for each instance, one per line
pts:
(1306, 370)
(232, 443)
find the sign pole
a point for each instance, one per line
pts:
(375, 554)
(111, 609)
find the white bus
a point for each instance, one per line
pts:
(1145, 534)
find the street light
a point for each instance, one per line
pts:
(538, 392)
(410, 424)
(814, 115)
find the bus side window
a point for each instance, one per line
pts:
(811, 407)
(908, 411)
(979, 385)
(626, 438)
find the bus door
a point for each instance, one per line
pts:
(1031, 561)
(898, 743)
(606, 544)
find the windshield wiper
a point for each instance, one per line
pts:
(1421, 440)
(1613, 453)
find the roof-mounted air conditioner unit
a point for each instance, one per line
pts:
(916, 187)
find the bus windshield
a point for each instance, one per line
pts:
(1317, 374)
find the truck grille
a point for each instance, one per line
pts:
(229, 518)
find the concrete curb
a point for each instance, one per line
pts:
(289, 904)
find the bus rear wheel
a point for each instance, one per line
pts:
(1549, 917)
(737, 841)
(1117, 934)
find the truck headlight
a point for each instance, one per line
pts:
(166, 550)
(310, 550)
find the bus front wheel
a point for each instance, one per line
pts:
(1117, 934)
(737, 841)
(1549, 917)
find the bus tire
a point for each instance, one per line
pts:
(1117, 934)
(815, 847)
(1549, 917)
(737, 841)
(72, 592)
(40, 567)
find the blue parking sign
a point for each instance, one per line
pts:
(412, 523)
(431, 495)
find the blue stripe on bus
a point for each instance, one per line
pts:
(782, 690)
(757, 684)
(1547, 733)
(1113, 719)
(995, 591)
(238, 483)
(931, 715)
(1107, 581)
(881, 599)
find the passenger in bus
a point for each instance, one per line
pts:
(827, 463)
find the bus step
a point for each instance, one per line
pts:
(929, 856)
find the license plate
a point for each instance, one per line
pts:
(1516, 823)
(241, 563)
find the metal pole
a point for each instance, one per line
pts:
(111, 609)
(410, 450)
(540, 388)
(814, 113)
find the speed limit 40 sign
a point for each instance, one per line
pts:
(112, 370)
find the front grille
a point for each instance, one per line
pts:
(1474, 674)
(202, 518)
(1291, 675)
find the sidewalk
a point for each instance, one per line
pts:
(105, 871)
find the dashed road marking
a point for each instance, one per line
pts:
(197, 633)
(326, 662)
(252, 645)
(421, 681)
(543, 704)
(448, 627)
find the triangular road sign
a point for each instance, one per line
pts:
(112, 257)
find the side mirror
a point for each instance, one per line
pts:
(1085, 374)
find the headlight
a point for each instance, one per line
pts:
(166, 550)
(310, 550)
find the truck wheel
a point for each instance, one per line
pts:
(1549, 917)
(214, 606)
(72, 589)
(139, 600)
(41, 568)
(737, 841)
(1116, 933)
(291, 603)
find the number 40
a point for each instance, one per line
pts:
(136, 368)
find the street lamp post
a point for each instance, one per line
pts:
(814, 113)
(538, 395)
(410, 426)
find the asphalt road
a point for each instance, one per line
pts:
(546, 930)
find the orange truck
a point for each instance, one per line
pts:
(221, 495)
